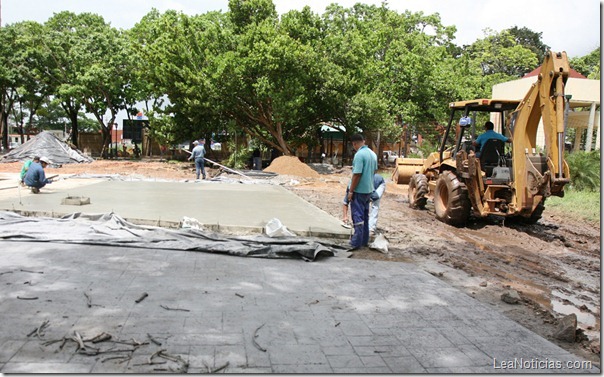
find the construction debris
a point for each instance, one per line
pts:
(254, 339)
(144, 295)
(102, 337)
(567, 328)
(511, 297)
(33, 272)
(27, 298)
(153, 340)
(38, 330)
(177, 309)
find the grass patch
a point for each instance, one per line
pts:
(582, 205)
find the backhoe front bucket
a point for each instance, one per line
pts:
(405, 168)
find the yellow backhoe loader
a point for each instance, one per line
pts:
(513, 183)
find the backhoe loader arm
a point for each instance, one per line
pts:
(534, 180)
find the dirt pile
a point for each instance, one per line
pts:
(290, 165)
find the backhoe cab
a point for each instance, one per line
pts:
(511, 180)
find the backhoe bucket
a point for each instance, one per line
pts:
(405, 168)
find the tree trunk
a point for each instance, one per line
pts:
(4, 122)
(4, 109)
(72, 112)
(106, 141)
(74, 129)
(344, 149)
(281, 141)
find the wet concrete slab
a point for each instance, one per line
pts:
(219, 206)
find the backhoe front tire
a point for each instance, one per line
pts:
(451, 202)
(418, 189)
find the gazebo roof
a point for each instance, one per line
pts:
(572, 73)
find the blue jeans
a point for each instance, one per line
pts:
(359, 208)
(199, 167)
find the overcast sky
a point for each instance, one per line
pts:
(567, 25)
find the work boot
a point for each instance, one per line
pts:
(35, 190)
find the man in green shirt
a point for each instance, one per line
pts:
(364, 165)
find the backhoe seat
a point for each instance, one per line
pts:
(490, 154)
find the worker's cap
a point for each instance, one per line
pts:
(195, 142)
(45, 159)
(465, 121)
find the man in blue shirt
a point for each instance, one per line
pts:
(197, 155)
(26, 166)
(488, 134)
(364, 165)
(35, 177)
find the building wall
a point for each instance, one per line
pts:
(583, 92)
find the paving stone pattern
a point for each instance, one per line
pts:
(219, 313)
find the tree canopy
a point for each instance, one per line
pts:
(248, 70)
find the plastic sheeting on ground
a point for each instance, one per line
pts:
(112, 230)
(48, 145)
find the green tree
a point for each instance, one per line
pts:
(272, 85)
(588, 65)
(64, 31)
(179, 59)
(357, 102)
(90, 68)
(243, 67)
(31, 58)
(500, 54)
(397, 65)
(105, 74)
(144, 86)
(530, 39)
(9, 77)
(246, 13)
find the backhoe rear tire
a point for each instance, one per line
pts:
(418, 189)
(451, 202)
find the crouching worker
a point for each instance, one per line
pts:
(35, 177)
(26, 167)
(345, 204)
(379, 185)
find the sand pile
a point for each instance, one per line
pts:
(290, 165)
